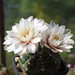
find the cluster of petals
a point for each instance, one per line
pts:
(57, 38)
(24, 36)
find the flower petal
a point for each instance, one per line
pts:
(65, 46)
(61, 30)
(22, 51)
(9, 48)
(55, 29)
(11, 33)
(52, 23)
(30, 18)
(31, 48)
(67, 31)
(14, 28)
(18, 48)
(54, 43)
(36, 40)
(11, 40)
(6, 37)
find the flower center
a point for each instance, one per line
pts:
(55, 37)
(25, 35)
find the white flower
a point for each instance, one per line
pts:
(24, 36)
(57, 38)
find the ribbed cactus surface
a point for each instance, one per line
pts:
(43, 62)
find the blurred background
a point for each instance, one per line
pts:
(60, 11)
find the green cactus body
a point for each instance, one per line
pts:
(43, 62)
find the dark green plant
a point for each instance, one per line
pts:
(43, 62)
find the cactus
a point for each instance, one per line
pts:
(43, 62)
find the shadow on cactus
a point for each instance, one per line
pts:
(38, 44)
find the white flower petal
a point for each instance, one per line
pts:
(36, 32)
(70, 42)
(46, 45)
(65, 46)
(59, 50)
(18, 49)
(55, 29)
(31, 48)
(30, 18)
(67, 31)
(22, 22)
(45, 35)
(9, 48)
(22, 52)
(56, 50)
(43, 28)
(11, 40)
(6, 37)
(44, 38)
(61, 30)
(69, 35)
(63, 49)
(14, 28)
(36, 40)
(67, 40)
(11, 34)
(54, 43)
(52, 23)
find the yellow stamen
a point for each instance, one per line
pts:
(56, 37)
(26, 35)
